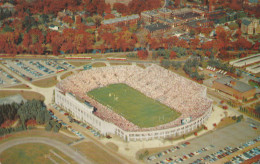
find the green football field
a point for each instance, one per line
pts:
(133, 105)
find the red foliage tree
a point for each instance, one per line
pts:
(173, 55)
(142, 54)
(67, 19)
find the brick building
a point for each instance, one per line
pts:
(204, 23)
(150, 16)
(157, 28)
(234, 88)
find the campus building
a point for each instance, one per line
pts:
(234, 88)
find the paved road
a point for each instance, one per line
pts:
(56, 144)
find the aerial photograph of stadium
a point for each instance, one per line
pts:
(129, 81)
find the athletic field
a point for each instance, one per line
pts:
(133, 105)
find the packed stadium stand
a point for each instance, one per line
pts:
(177, 92)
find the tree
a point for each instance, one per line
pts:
(166, 63)
(40, 117)
(48, 126)
(142, 54)
(173, 55)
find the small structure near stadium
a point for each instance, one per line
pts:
(184, 97)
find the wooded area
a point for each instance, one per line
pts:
(24, 112)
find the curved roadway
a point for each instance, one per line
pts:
(56, 144)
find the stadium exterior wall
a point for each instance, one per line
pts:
(83, 112)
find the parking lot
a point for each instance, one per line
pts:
(210, 145)
(7, 79)
(71, 120)
(34, 69)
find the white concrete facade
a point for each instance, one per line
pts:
(83, 112)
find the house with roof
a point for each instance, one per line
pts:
(235, 88)
(250, 26)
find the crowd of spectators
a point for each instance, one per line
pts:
(179, 93)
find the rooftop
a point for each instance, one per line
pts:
(150, 12)
(239, 86)
(197, 23)
(187, 15)
(165, 10)
(121, 19)
(157, 26)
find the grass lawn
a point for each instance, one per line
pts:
(46, 83)
(134, 106)
(29, 95)
(78, 64)
(99, 64)
(20, 86)
(141, 65)
(96, 154)
(37, 133)
(225, 122)
(112, 146)
(66, 75)
(31, 153)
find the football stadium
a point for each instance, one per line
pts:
(135, 103)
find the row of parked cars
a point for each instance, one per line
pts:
(3, 73)
(81, 136)
(88, 127)
(59, 66)
(180, 159)
(18, 72)
(225, 152)
(41, 67)
(171, 150)
(245, 156)
(28, 69)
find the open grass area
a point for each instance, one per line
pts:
(46, 83)
(99, 64)
(29, 95)
(141, 65)
(32, 153)
(134, 106)
(20, 86)
(78, 64)
(225, 122)
(112, 146)
(66, 75)
(38, 133)
(96, 154)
